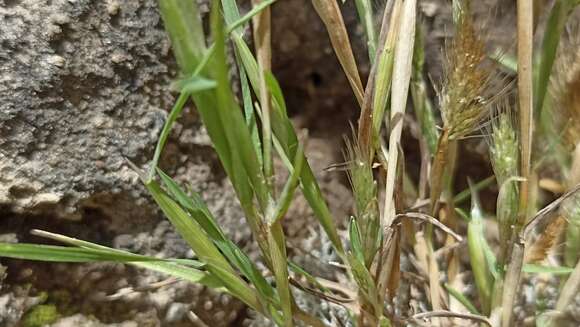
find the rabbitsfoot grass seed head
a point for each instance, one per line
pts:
(565, 86)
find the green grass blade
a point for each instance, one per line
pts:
(539, 269)
(249, 111)
(89, 245)
(236, 131)
(189, 86)
(194, 84)
(240, 21)
(183, 23)
(103, 254)
(199, 211)
(280, 266)
(195, 206)
(554, 28)
(185, 269)
(383, 79)
(462, 299)
(187, 227)
(276, 92)
(421, 103)
(235, 24)
(222, 116)
(365, 13)
(355, 240)
(191, 231)
(231, 14)
(479, 261)
(40, 252)
(466, 194)
(238, 258)
(311, 279)
(288, 192)
(236, 287)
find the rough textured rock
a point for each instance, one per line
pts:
(84, 85)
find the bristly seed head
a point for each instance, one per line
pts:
(504, 148)
(361, 177)
(565, 88)
(468, 78)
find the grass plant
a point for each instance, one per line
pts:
(251, 130)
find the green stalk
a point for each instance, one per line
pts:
(384, 75)
(421, 103)
(262, 42)
(277, 246)
(365, 14)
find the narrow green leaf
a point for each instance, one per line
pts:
(363, 279)
(462, 299)
(236, 287)
(195, 206)
(476, 244)
(463, 214)
(238, 258)
(236, 131)
(276, 91)
(191, 231)
(383, 79)
(554, 28)
(288, 191)
(243, 20)
(539, 269)
(183, 23)
(311, 279)
(355, 240)
(98, 253)
(40, 252)
(249, 111)
(421, 103)
(187, 227)
(89, 245)
(490, 259)
(194, 84)
(365, 13)
(235, 27)
(199, 211)
(231, 14)
(277, 247)
(466, 194)
(187, 87)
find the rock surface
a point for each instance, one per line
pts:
(84, 86)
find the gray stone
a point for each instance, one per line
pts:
(84, 85)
